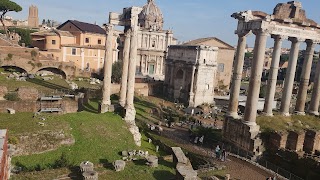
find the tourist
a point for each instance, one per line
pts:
(201, 140)
(217, 150)
(223, 155)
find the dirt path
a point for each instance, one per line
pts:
(237, 168)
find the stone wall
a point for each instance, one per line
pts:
(28, 94)
(243, 136)
(19, 106)
(308, 141)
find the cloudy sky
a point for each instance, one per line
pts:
(189, 19)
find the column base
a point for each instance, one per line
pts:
(103, 108)
(244, 135)
(300, 113)
(286, 114)
(233, 115)
(267, 114)
(315, 113)
(130, 114)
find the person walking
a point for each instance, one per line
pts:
(217, 150)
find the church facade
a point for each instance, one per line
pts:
(153, 42)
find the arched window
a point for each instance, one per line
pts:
(179, 74)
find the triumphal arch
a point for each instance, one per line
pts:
(287, 23)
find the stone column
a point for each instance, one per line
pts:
(272, 80)
(315, 97)
(237, 76)
(290, 74)
(130, 110)
(106, 90)
(255, 78)
(191, 95)
(125, 66)
(305, 78)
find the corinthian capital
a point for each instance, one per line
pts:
(261, 31)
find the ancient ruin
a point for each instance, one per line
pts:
(190, 74)
(288, 22)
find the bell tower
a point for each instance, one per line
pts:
(33, 18)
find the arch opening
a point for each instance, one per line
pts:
(51, 71)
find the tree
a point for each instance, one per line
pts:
(116, 72)
(7, 6)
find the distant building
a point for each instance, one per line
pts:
(191, 73)
(4, 155)
(75, 41)
(153, 42)
(225, 58)
(33, 18)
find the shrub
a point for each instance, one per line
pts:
(34, 53)
(13, 96)
(39, 65)
(62, 161)
(9, 57)
(13, 140)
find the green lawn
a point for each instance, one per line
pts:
(281, 123)
(99, 139)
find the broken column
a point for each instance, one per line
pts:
(107, 71)
(125, 66)
(130, 110)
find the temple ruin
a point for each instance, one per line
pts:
(288, 22)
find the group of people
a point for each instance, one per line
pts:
(221, 153)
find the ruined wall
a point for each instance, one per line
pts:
(18, 106)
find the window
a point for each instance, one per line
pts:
(87, 40)
(74, 51)
(220, 67)
(53, 41)
(99, 41)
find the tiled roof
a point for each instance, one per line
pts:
(85, 27)
(202, 40)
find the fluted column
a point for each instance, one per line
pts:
(125, 66)
(272, 80)
(315, 97)
(255, 78)
(106, 90)
(290, 74)
(130, 110)
(237, 76)
(305, 78)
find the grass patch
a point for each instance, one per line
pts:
(281, 124)
(99, 139)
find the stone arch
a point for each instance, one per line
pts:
(54, 70)
(179, 74)
(20, 69)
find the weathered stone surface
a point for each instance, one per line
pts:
(90, 175)
(119, 165)
(86, 166)
(28, 93)
(179, 156)
(184, 172)
(3, 91)
(152, 161)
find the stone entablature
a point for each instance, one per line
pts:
(288, 22)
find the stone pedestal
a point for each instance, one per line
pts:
(90, 175)
(242, 135)
(103, 108)
(86, 166)
(152, 161)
